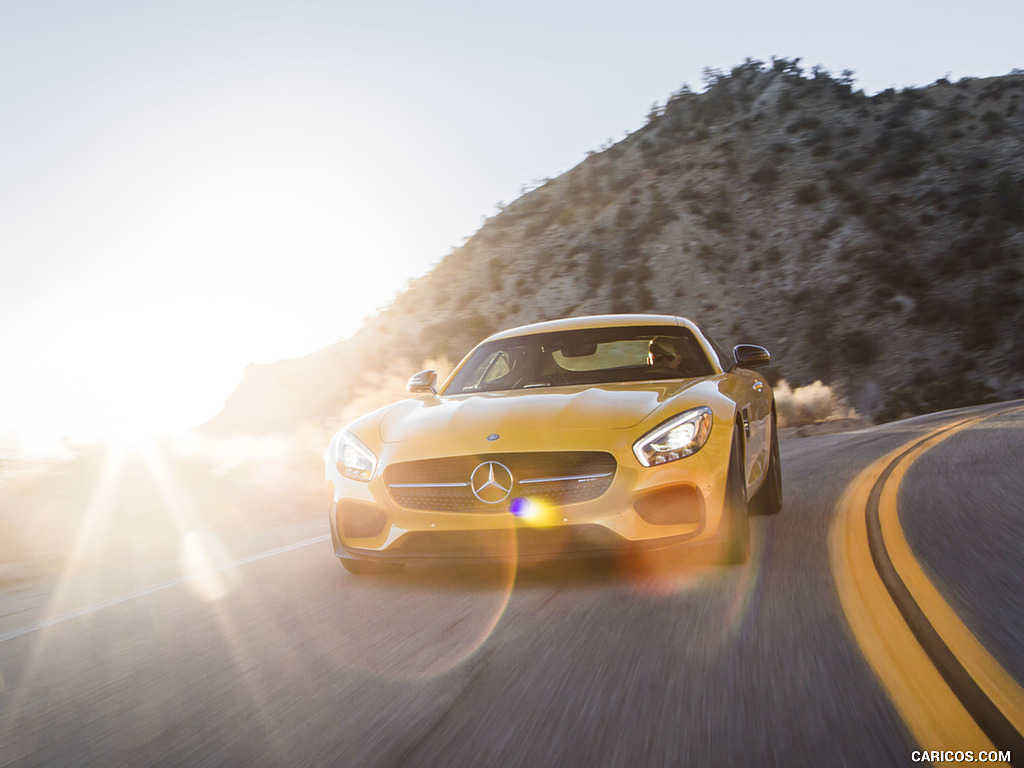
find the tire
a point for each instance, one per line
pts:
(370, 567)
(768, 500)
(736, 548)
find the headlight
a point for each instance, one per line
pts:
(677, 438)
(353, 458)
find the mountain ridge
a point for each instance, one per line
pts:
(872, 242)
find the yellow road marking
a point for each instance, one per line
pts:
(998, 685)
(933, 713)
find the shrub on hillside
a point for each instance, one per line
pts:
(765, 176)
(859, 348)
(940, 393)
(720, 219)
(900, 148)
(807, 194)
(994, 121)
(803, 123)
(827, 228)
(1006, 199)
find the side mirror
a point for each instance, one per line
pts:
(423, 382)
(750, 356)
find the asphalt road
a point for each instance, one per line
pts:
(289, 660)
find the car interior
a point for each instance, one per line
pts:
(592, 356)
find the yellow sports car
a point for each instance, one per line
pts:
(576, 437)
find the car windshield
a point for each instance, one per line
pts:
(584, 356)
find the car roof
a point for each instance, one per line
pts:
(593, 321)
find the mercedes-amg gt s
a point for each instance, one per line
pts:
(575, 437)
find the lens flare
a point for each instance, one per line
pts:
(535, 512)
(520, 507)
(206, 565)
(455, 610)
(657, 575)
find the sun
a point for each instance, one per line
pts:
(104, 395)
(247, 240)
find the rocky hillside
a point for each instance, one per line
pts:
(873, 242)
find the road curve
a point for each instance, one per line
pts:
(606, 663)
(951, 692)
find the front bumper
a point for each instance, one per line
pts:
(523, 545)
(644, 509)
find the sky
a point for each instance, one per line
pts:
(188, 187)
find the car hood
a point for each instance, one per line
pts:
(608, 406)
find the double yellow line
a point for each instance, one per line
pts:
(947, 688)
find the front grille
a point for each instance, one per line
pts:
(443, 485)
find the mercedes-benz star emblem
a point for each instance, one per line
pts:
(491, 482)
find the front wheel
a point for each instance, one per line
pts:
(737, 541)
(768, 500)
